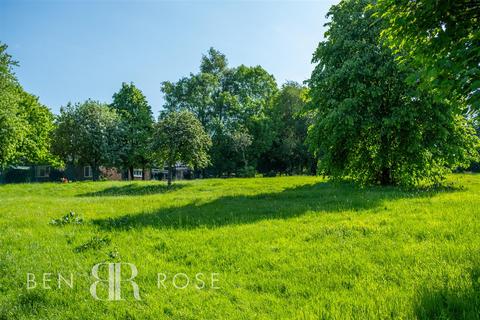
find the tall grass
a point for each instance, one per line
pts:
(284, 248)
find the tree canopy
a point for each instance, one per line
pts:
(25, 124)
(441, 39)
(288, 153)
(136, 128)
(179, 138)
(230, 103)
(87, 134)
(369, 123)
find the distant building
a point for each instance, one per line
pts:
(44, 173)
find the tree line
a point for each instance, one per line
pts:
(221, 122)
(393, 99)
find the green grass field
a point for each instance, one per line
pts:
(283, 248)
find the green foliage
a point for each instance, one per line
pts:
(229, 102)
(87, 134)
(12, 128)
(288, 153)
(10, 125)
(441, 39)
(251, 90)
(196, 93)
(214, 63)
(65, 143)
(36, 144)
(25, 124)
(180, 138)
(230, 145)
(249, 94)
(246, 172)
(136, 128)
(370, 124)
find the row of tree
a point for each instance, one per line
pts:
(253, 124)
(124, 135)
(221, 121)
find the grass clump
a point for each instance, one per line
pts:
(69, 218)
(95, 243)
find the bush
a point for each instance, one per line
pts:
(270, 174)
(56, 175)
(247, 172)
(475, 167)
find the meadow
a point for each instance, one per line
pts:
(281, 248)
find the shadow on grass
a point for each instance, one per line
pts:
(231, 210)
(134, 189)
(448, 303)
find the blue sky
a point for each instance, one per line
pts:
(74, 50)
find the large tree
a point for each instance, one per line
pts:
(12, 128)
(35, 146)
(65, 142)
(249, 93)
(230, 144)
(288, 153)
(25, 124)
(196, 93)
(87, 134)
(370, 124)
(441, 39)
(230, 103)
(180, 138)
(136, 128)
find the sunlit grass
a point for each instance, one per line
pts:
(289, 247)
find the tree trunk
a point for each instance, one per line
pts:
(143, 173)
(170, 173)
(245, 163)
(385, 177)
(130, 173)
(314, 166)
(94, 171)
